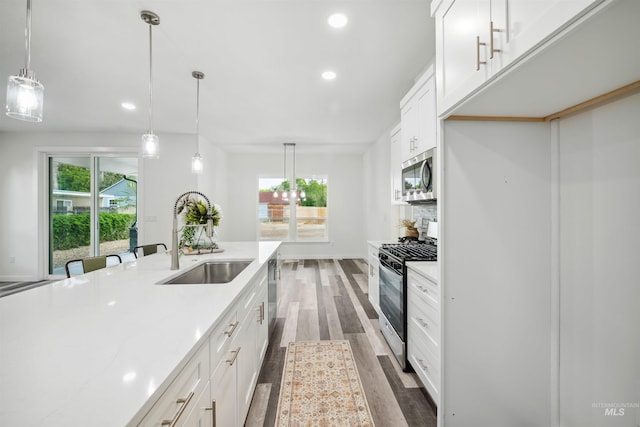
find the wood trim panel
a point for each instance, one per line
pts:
(624, 90)
(497, 118)
(595, 101)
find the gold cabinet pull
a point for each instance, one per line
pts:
(478, 62)
(233, 328)
(492, 50)
(235, 356)
(213, 412)
(261, 313)
(184, 403)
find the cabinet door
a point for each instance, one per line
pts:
(461, 51)
(409, 123)
(247, 362)
(395, 165)
(521, 24)
(426, 104)
(202, 411)
(223, 391)
(374, 278)
(179, 398)
(262, 321)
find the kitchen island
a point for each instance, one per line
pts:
(99, 349)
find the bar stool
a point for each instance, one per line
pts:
(91, 263)
(148, 249)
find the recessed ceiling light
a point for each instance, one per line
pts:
(329, 75)
(128, 106)
(338, 20)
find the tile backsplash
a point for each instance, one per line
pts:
(428, 213)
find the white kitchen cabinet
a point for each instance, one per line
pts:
(418, 117)
(180, 397)
(374, 278)
(262, 321)
(202, 411)
(216, 386)
(423, 331)
(476, 39)
(224, 390)
(395, 166)
(252, 341)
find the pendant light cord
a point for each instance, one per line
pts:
(197, 115)
(27, 36)
(150, 78)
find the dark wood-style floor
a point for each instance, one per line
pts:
(328, 299)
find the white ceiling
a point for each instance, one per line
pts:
(262, 61)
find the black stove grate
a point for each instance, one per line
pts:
(412, 252)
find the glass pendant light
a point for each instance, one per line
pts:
(196, 161)
(150, 141)
(25, 94)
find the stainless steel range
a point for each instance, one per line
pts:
(393, 290)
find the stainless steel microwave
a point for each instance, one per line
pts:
(419, 178)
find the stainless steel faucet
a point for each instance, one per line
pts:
(175, 255)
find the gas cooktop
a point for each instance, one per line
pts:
(412, 250)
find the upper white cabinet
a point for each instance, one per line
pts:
(395, 166)
(418, 117)
(476, 39)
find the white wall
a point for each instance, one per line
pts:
(21, 233)
(600, 264)
(495, 234)
(344, 199)
(213, 182)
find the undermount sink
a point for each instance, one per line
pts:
(209, 272)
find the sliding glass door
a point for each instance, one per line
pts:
(93, 207)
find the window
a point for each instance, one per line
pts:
(92, 210)
(299, 216)
(64, 206)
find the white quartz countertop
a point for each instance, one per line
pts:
(92, 350)
(377, 243)
(428, 269)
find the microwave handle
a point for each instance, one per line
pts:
(422, 183)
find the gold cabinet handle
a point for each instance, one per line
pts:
(185, 402)
(492, 30)
(422, 322)
(213, 412)
(478, 62)
(261, 313)
(233, 328)
(235, 356)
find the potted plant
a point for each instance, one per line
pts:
(410, 228)
(195, 214)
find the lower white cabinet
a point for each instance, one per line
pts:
(224, 392)
(216, 386)
(423, 331)
(202, 411)
(374, 277)
(180, 397)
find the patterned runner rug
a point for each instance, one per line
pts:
(321, 387)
